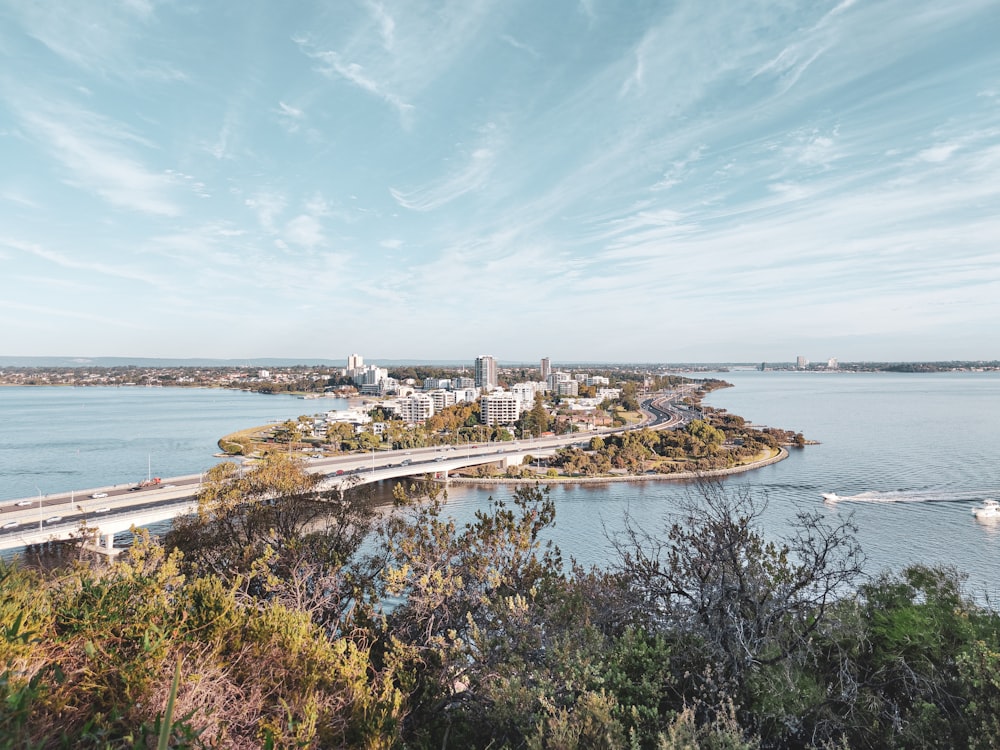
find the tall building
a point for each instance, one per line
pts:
(355, 362)
(801, 362)
(546, 368)
(486, 372)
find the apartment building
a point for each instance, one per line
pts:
(486, 372)
(500, 408)
(416, 408)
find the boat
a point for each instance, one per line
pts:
(831, 497)
(989, 509)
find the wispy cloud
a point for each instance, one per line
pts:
(98, 154)
(471, 176)
(386, 24)
(63, 260)
(332, 65)
(267, 206)
(305, 231)
(507, 38)
(101, 37)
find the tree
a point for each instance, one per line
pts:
(269, 531)
(629, 397)
(536, 420)
(742, 605)
(453, 583)
(709, 438)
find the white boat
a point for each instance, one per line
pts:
(989, 509)
(831, 497)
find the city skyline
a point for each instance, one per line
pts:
(574, 180)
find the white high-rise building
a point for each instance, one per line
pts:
(567, 388)
(355, 362)
(486, 372)
(801, 362)
(442, 399)
(556, 378)
(500, 408)
(525, 392)
(418, 407)
(466, 395)
(546, 368)
(433, 384)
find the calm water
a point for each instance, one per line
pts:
(60, 439)
(914, 453)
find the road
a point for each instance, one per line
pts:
(61, 511)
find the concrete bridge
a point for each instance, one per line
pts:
(113, 509)
(106, 511)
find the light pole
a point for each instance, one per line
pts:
(39, 508)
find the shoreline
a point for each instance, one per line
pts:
(678, 476)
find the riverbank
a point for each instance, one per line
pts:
(781, 455)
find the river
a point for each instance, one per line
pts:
(56, 439)
(913, 453)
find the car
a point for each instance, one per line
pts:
(10, 525)
(53, 519)
(339, 472)
(105, 509)
(167, 486)
(98, 495)
(22, 503)
(439, 458)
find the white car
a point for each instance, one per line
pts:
(22, 503)
(105, 509)
(53, 519)
(98, 495)
(10, 525)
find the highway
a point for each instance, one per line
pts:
(33, 519)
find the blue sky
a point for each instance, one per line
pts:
(587, 180)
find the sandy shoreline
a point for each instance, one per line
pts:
(679, 476)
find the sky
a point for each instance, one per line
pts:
(580, 179)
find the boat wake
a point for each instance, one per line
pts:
(902, 496)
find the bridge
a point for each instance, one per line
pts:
(113, 509)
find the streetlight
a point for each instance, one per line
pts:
(39, 508)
